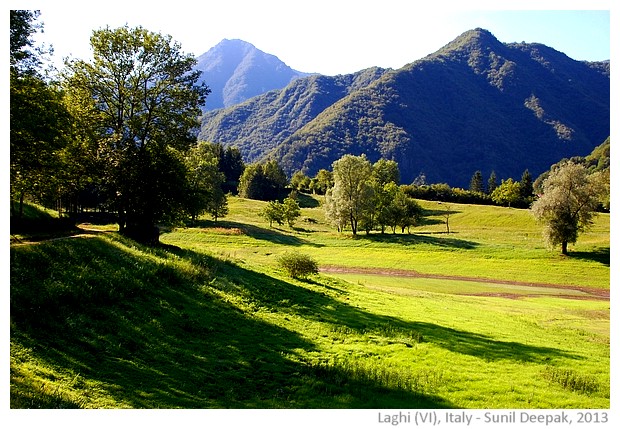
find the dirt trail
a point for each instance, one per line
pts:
(591, 292)
(82, 231)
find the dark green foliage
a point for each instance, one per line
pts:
(263, 181)
(232, 165)
(477, 183)
(476, 104)
(205, 193)
(492, 183)
(287, 211)
(24, 55)
(39, 120)
(527, 186)
(298, 265)
(145, 113)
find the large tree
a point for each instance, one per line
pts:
(568, 203)
(145, 101)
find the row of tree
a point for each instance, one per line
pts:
(367, 196)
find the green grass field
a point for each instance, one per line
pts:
(484, 317)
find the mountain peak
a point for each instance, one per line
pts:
(236, 70)
(472, 40)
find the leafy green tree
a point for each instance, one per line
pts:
(25, 57)
(205, 182)
(273, 212)
(386, 171)
(477, 183)
(39, 120)
(386, 212)
(509, 192)
(408, 211)
(300, 182)
(263, 181)
(527, 186)
(323, 181)
(568, 204)
(232, 165)
(252, 182)
(351, 188)
(217, 206)
(276, 179)
(291, 210)
(492, 183)
(144, 92)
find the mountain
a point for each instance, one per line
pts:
(262, 122)
(476, 104)
(236, 70)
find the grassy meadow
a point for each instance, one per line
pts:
(483, 317)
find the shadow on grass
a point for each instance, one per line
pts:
(282, 296)
(273, 235)
(484, 347)
(434, 239)
(146, 332)
(599, 254)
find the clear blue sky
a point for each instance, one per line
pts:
(331, 36)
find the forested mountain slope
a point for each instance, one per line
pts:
(476, 104)
(261, 123)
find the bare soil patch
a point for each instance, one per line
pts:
(591, 292)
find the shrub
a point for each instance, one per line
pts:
(298, 265)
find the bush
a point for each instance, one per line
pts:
(298, 265)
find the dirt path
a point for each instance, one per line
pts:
(82, 231)
(591, 292)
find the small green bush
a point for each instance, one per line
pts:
(298, 265)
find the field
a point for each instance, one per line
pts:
(483, 317)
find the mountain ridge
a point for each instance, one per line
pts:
(475, 104)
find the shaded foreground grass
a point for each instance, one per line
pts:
(102, 324)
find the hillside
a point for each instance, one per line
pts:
(476, 104)
(257, 124)
(236, 70)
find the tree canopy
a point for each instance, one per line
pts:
(39, 120)
(568, 203)
(144, 102)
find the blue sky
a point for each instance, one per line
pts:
(330, 36)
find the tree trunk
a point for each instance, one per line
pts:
(564, 248)
(21, 205)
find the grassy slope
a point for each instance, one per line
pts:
(210, 321)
